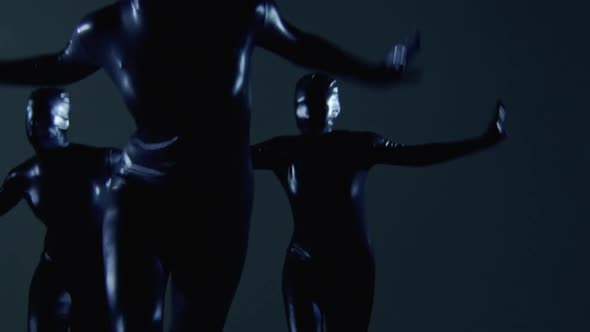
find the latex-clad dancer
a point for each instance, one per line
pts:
(328, 274)
(183, 194)
(62, 184)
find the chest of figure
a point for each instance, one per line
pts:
(322, 178)
(58, 196)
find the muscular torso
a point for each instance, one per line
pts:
(63, 188)
(182, 68)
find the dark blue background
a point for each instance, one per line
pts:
(494, 242)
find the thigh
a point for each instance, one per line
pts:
(201, 300)
(347, 295)
(205, 255)
(49, 302)
(135, 279)
(88, 292)
(300, 295)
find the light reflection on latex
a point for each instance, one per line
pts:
(292, 179)
(83, 28)
(241, 74)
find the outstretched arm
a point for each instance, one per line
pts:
(308, 50)
(67, 66)
(268, 155)
(11, 191)
(386, 152)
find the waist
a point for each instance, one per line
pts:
(178, 155)
(328, 251)
(204, 121)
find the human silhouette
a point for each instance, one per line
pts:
(181, 199)
(328, 275)
(63, 184)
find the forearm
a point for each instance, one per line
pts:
(316, 53)
(49, 69)
(429, 154)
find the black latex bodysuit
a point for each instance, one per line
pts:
(328, 276)
(182, 197)
(64, 184)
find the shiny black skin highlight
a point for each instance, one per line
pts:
(63, 184)
(328, 276)
(181, 199)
